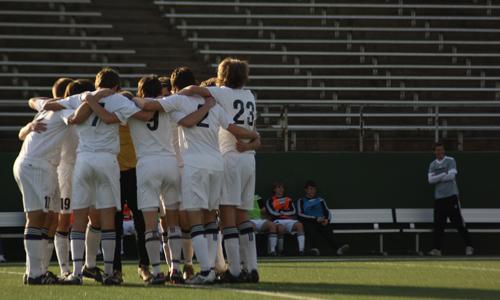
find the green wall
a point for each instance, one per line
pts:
(349, 180)
(379, 180)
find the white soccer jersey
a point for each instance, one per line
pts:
(199, 144)
(240, 104)
(68, 147)
(96, 136)
(47, 145)
(153, 137)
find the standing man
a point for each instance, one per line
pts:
(96, 181)
(36, 177)
(128, 190)
(442, 173)
(239, 165)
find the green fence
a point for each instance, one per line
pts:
(349, 180)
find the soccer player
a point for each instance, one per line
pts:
(442, 173)
(128, 190)
(239, 165)
(158, 181)
(203, 166)
(314, 214)
(65, 175)
(187, 246)
(51, 222)
(35, 174)
(96, 173)
(282, 210)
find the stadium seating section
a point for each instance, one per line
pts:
(359, 75)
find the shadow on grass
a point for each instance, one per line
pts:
(373, 290)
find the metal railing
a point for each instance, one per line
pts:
(436, 119)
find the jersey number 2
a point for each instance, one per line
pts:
(96, 118)
(201, 124)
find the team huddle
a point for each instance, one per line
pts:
(195, 169)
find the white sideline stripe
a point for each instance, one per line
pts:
(437, 266)
(242, 291)
(10, 273)
(254, 292)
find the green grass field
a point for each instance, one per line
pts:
(356, 278)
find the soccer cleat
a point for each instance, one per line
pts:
(144, 273)
(52, 276)
(160, 278)
(253, 277)
(187, 272)
(227, 277)
(40, 280)
(63, 276)
(2, 258)
(272, 254)
(199, 279)
(469, 251)
(434, 252)
(343, 249)
(93, 273)
(72, 280)
(301, 253)
(119, 275)
(114, 279)
(176, 277)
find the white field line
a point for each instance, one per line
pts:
(255, 292)
(242, 291)
(10, 273)
(437, 266)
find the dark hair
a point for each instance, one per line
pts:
(309, 183)
(107, 78)
(59, 87)
(438, 144)
(79, 86)
(209, 82)
(232, 73)
(165, 82)
(182, 77)
(149, 86)
(277, 184)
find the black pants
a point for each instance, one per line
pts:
(128, 189)
(318, 234)
(449, 208)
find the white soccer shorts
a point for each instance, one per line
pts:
(259, 223)
(96, 181)
(201, 188)
(158, 179)
(239, 180)
(35, 179)
(65, 176)
(287, 224)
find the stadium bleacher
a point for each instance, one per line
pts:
(371, 50)
(42, 40)
(431, 68)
